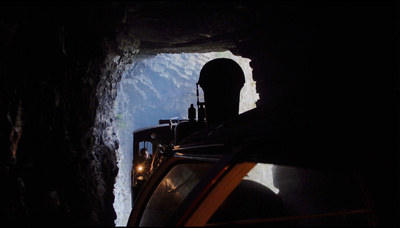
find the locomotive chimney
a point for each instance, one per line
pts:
(221, 80)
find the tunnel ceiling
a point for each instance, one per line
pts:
(172, 27)
(201, 26)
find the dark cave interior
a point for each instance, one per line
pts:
(333, 63)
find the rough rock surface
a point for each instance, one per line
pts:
(334, 63)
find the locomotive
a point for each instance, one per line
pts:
(200, 171)
(162, 139)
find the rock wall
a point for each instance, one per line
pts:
(59, 171)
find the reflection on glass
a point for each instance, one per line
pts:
(171, 192)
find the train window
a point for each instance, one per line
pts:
(148, 145)
(171, 192)
(290, 196)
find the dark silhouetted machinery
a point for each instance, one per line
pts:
(229, 169)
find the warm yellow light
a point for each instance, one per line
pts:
(140, 168)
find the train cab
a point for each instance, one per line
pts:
(252, 169)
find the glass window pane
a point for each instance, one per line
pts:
(171, 192)
(290, 196)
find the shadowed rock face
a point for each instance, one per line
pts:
(330, 66)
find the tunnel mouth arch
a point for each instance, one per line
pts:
(158, 87)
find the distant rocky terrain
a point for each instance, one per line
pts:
(160, 87)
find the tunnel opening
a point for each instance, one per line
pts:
(158, 87)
